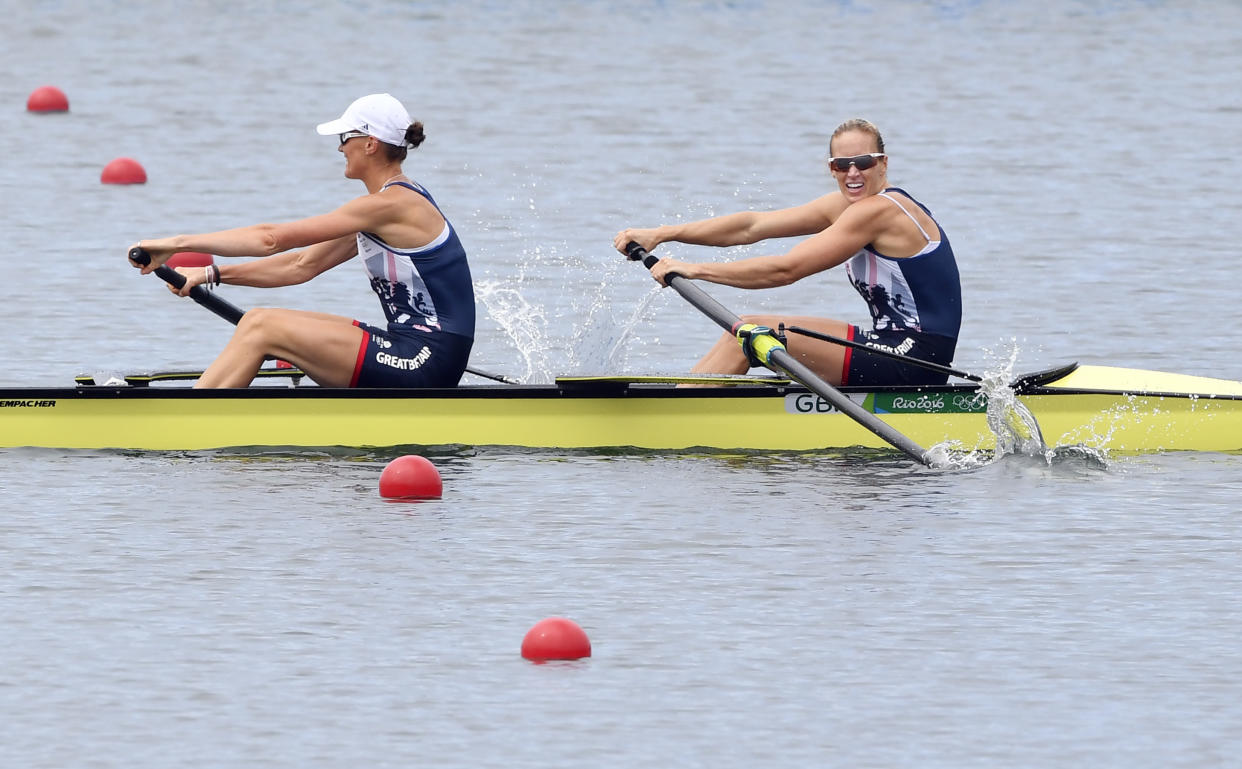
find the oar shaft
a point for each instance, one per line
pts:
(724, 317)
(201, 294)
(794, 368)
(220, 306)
(783, 361)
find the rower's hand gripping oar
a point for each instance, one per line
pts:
(762, 346)
(222, 307)
(231, 312)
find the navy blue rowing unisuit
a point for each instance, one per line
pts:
(916, 308)
(428, 299)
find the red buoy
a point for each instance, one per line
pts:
(410, 477)
(47, 98)
(555, 638)
(190, 259)
(123, 171)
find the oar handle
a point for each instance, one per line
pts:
(220, 306)
(724, 317)
(637, 253)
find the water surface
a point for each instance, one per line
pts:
(226, 609)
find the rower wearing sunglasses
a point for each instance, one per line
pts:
(894, 252)
(412, 256)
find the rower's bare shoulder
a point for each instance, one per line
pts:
(867, 209)
(830, 206)
(402, 205)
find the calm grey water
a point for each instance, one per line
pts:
(223, 609)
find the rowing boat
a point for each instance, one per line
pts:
(1112, 409)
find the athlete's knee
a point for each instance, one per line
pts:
(262, 324)
(266, 317)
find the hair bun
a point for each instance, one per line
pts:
(414, 134)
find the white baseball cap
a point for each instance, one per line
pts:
(379, 115)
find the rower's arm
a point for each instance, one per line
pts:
(321, 236)
(748, 227)
(291, 267)
(826, 249)
(741, 228)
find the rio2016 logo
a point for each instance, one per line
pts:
(922, 402)
(903, 403)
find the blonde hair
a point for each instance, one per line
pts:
(858, 124)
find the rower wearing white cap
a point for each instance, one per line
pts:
(413, 257)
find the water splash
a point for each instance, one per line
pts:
(523, 323)
(1015, 429)
(1013, 424)
(1076, 459)
(590, 335)
(599, 343)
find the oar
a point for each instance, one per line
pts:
(232, 313)
(768, 350)
(1017, 416)
(220, 306)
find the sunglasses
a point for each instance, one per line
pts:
(350, 135)
(862, 161)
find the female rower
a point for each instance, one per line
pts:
(413, 257)
(894, 252)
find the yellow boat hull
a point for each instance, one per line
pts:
(1090, 406)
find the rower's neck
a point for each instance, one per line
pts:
(382, 176)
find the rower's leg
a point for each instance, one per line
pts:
(824, 358)
(324, 346)
(725, 357)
